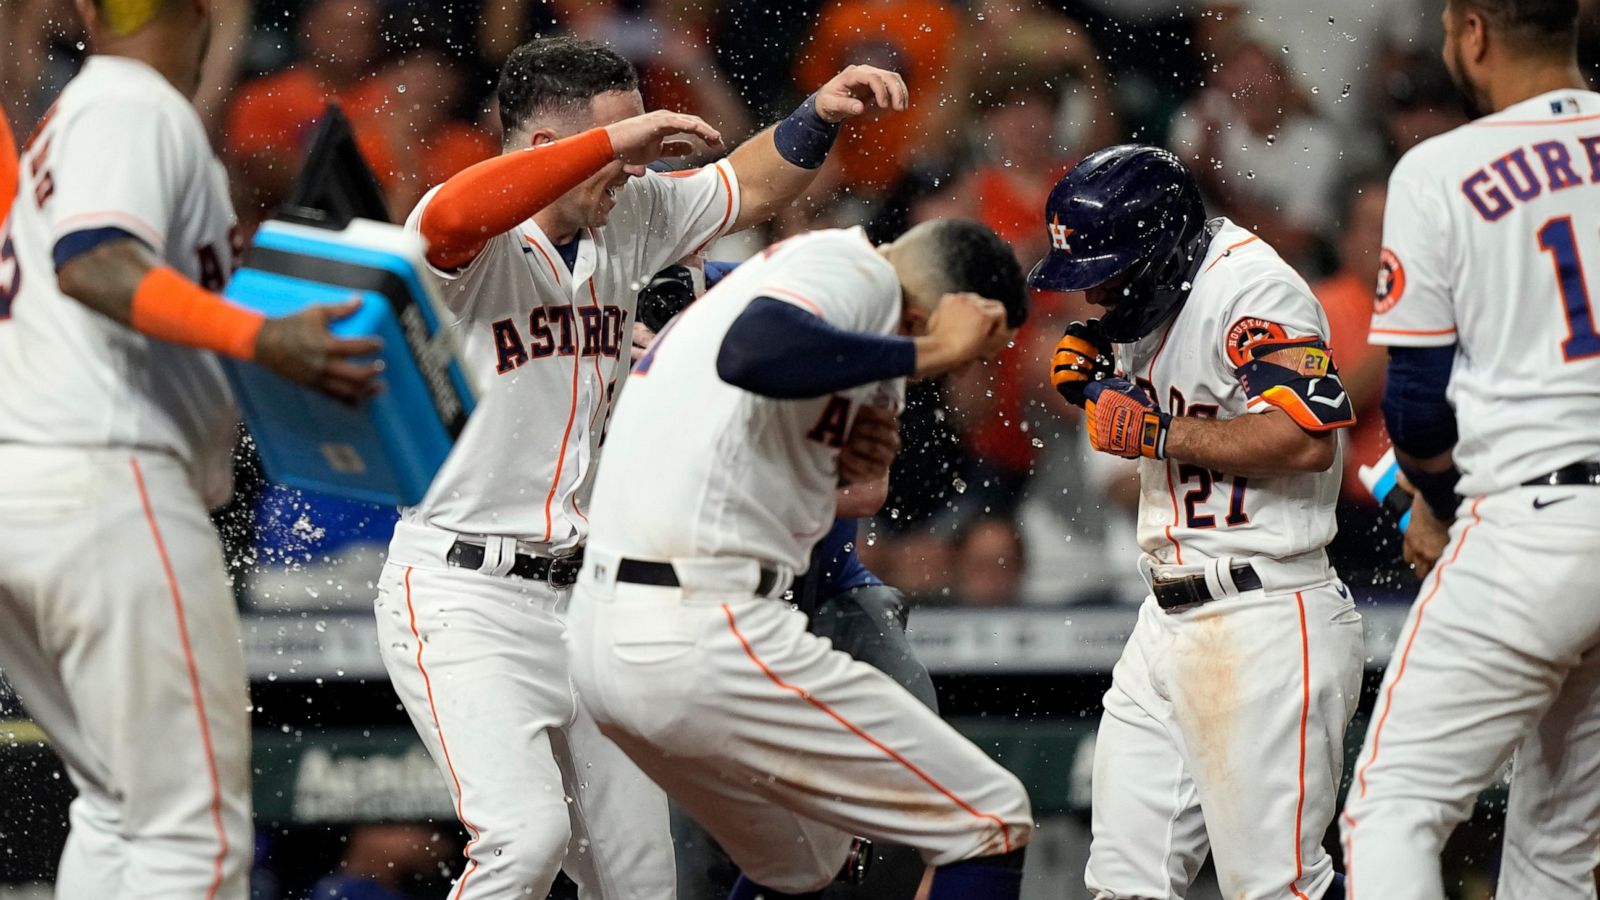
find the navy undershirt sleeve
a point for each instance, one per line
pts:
(779, 350)
(1420, 419)
(73, 245)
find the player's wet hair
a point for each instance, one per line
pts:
(1535, 26)
(558, 76)
(969, 256)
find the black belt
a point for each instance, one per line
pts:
(1188, 591)
(1577, 473)
(561, 571)
(639, 571)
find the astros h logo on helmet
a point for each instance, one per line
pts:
(1058, 234)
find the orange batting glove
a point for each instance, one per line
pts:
(1124, 421)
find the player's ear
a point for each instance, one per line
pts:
(1474, 34)
(89, 15)
(542, 136)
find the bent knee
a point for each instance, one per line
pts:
(529, 853)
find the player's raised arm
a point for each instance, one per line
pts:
(123, 280)
(777, 165)
(495, 195)
(810, 337)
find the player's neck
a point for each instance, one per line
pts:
(160, 54)
(1530, 80)
(552, 223)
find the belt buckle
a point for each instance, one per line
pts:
(1191, 586)
(564, 570)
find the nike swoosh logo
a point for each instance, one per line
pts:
(1541, 503)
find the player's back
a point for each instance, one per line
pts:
(695, 467)
(1492, 242)
(122, 153)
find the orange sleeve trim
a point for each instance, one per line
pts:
(1229, 249)
(1415, 333)
(494, 196)
(172, 308)
(1528, 122)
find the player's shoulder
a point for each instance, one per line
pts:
(1243, 275)
(1236, 260)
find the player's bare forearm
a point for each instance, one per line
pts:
(767, 181)
(1253, 445)
(106, 277)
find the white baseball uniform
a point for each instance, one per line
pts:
(779, 745)
(476, 655)
(1223, 728)
(117, 627)
(1487, 234)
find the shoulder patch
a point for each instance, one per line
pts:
(1249, 331)
(1391, 282)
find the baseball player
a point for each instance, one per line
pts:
(541, 253)
(1486, 302)
(117, 627)
(842, 599)
(781, 746)
(1223, 728)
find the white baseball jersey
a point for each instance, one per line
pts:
(1245, 296)
(122, 149)
(548, 346)
(753, 477)
(1492, 243)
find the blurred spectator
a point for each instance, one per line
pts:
(413, 121)
(1341, 51)
(1347, 297)
(386, 862)
(272, 117)
(990, 562)
(921, 40)
(669, 45)
(1262, 156)
(1422, 102)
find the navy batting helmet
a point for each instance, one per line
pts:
(1131, 210)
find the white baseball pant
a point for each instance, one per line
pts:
(781, 746)
(1223, 731)
(479, 663)
(119, 633)
(1501, 653)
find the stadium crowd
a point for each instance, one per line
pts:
(1290, 118)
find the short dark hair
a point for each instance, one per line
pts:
(1547, 26)
(556, 75)
(975, 259)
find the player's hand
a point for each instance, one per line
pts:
(1124, 421)
(1083, 355)
(871, 447)
(642, 336)
(1425, 537)
(963, 328)
(644, 139)
(845, 95)
(301, 349)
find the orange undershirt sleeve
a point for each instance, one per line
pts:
(492, 197)
(168, 306)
